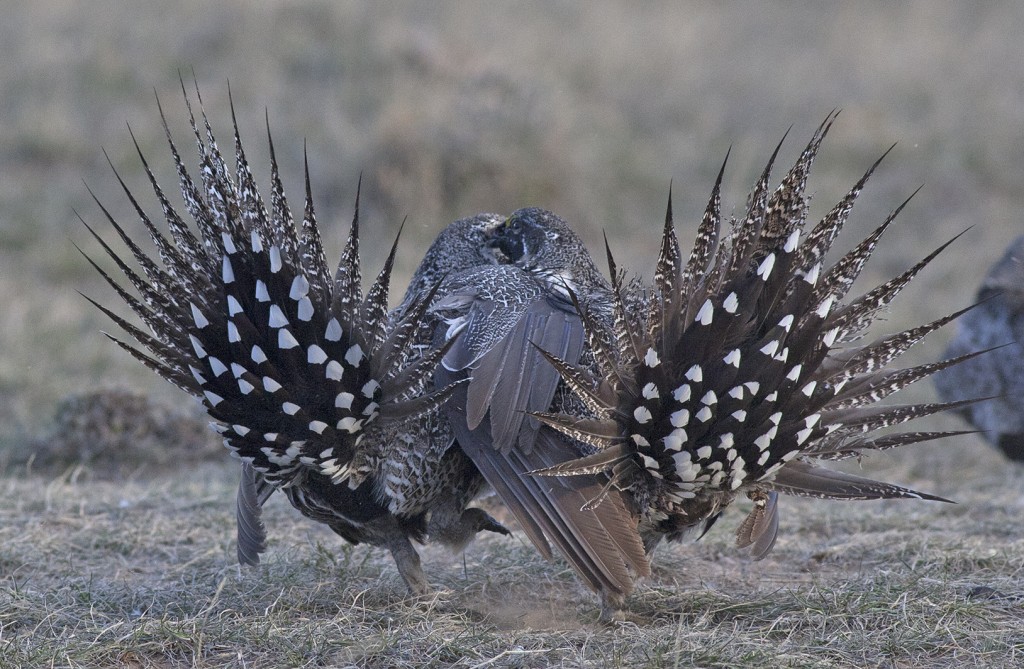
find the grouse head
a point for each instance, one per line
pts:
(543, 244)
(462, 245)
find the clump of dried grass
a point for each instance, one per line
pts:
(115, 432)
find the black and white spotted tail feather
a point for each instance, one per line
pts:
(243, 313)
(740, 367)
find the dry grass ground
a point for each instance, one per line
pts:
(448, 109)
(141, 574)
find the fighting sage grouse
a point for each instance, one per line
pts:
(309, 381)
(737, 370)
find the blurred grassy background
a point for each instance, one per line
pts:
(450, 108)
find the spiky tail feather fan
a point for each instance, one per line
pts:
(738, 369)
(243, 313)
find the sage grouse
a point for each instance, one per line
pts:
(998, 321)
(304, 376)
(505, 320)
(735, 371)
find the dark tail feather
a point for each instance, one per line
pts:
(252, 533)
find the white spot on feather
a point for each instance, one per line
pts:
(262, 294)
(344, 400)
(257, 355)
(227, 272)
(277, 317)
(300, 288)
(334, 370)
(285, 339)
(354, 355)
(197, 346)
(305, 312)
(270, 385)
(333, 332)
(650, 392)
(731, 303)
(733, 358)
(651, 464)
(234, 336)
(680, 418)
(350, 424)
(675, 440)
(651, 358)
(765, 268)
(216, 366)
(290, 408)
(315, 355)
(642, 415)
(197, 375)
(695, 374)
(275, 259)
(198, 317)
(706, 313)
(792, 241)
